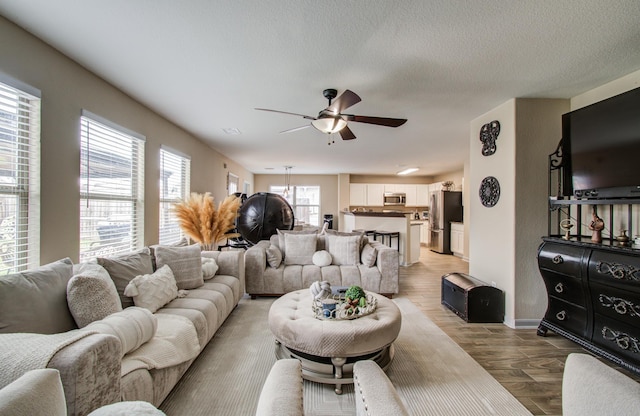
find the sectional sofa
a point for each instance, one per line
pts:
(123, 328)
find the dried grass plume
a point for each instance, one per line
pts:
(202, 222)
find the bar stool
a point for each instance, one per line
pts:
(368, 233)
(388, 234)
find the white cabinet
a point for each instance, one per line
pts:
(422, 195)
(435, 187)
(410, 191)
(358, 194)
(425, 233)
(457, 238)
(375, 194)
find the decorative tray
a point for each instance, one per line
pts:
(343, 310)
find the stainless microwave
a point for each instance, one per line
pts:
(395, 198)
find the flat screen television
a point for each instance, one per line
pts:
(603, 142)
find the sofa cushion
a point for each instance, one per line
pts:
(299, 248)
(274, 256)
(91, 294)
(185, 262)
(132, 326)
(321, 258)
(281, 239)
(369, 255)
(124, 268)
(37, 392)
(36, 300)
(153, 291)
(345, 250)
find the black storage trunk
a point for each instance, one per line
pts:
(472, 299)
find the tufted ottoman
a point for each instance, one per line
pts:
(329, 348)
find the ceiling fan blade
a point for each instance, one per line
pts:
(344, 101)
(286, 112)
(380, 121)
(347, 134)
(295, 129)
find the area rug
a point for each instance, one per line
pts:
(432, 374)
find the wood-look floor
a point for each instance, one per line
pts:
(527, 365)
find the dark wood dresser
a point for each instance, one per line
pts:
(594, 297)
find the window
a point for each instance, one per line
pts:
(175, 178)
(305, 201)
(111, 188)
(232, 183)
(19, 177)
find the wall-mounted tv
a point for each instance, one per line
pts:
(603, 142)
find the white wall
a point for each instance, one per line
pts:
(67, 88)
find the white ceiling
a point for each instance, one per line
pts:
(205, 65)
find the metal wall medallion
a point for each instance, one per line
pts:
(489, 191)
(488, 136)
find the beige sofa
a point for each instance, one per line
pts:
(292, 260)
(71, 318)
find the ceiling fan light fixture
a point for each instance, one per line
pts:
(407, 171)
(329, 125)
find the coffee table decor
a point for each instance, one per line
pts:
(340, 308)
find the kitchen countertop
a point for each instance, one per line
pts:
(377, 214)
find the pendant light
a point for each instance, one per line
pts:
(287, 181)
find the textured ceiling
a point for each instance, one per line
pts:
(205, 65)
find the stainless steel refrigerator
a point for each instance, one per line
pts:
(444, 207)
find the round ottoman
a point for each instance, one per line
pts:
(328, 348)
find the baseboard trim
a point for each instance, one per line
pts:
(527, 323)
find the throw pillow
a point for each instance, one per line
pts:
(124, 268)
(153, 291)
(345, 250)
(363, 238)
(36, 300)
(321, 258)
(209, 268)
(300, 248)
(274, 256)
(369, 255)
(282, 243)
(133, 326)
(185, 263)
(91, 294)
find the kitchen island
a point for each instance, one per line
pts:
(385, 221)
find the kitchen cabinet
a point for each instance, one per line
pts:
(410, 191)
(425, 233)
(422, 195)
(457, 238)
(375, 194)
(358, 194)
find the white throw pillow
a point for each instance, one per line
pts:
(91, 294)
(369, 255)
(133, 327)
(185, 263)
(322, 258)
(345, 250)
(274, 256)
(153, 291)
(281, 239)
(209, 268)
(300, 248)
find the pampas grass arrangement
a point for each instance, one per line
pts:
(202, 222)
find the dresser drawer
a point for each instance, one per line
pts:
(561, 258)
(622, 305)
(568, 316)
(564, 287)
(614, 269)
(622, 340)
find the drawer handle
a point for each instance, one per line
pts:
(557, 259)
(559, 288)
(623, 341)
(561, 316)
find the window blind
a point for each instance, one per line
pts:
(19, 179)
(111, 188)
(175, 182)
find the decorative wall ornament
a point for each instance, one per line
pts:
(489, 191)
(488, 136)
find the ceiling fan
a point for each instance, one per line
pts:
(333, 120)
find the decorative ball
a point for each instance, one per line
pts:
(320, 290)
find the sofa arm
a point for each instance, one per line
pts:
(90, 372)
(590, 387)
(388, 262)
(230, 263)
(375, 395)
(282, 391)
(255, 263)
